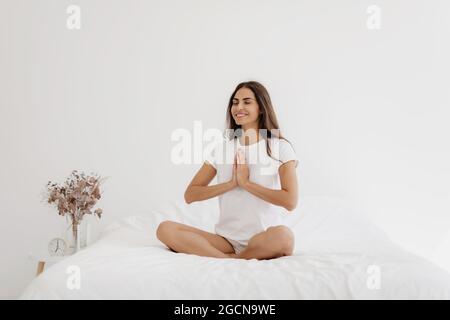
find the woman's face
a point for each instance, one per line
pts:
(245, 109)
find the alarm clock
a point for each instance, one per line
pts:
(57, 247)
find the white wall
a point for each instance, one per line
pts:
(367, 110)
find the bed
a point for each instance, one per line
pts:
(338, 254)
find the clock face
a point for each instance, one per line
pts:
(57, 247)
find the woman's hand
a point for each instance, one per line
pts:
(233, 182)
(241, 169)
(199, 188)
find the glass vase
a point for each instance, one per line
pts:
(77, 235)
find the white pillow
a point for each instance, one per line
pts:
(330, 225)
(202, 215)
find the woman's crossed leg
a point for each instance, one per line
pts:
(276, 241)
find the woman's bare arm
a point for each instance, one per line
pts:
(199, 190)
(287, 197)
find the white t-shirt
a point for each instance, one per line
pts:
(242, 214)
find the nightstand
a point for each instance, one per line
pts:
(44, 259)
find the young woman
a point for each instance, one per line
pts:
(257, 185)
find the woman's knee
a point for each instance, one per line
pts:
(165, 229)
(283, 237)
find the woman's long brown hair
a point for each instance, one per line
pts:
(267, 118)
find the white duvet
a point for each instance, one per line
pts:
(338, 255)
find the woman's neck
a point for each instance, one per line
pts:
(250, 135)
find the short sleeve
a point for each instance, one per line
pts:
(287, 152)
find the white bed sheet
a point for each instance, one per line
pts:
(335, 249)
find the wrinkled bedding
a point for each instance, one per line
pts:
(338, 254)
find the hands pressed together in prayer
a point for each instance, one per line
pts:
(241, 171)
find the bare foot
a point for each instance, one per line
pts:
(232, 255)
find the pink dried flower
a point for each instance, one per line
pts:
(76, 197)
(98, 212)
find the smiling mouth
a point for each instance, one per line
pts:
(241, 115)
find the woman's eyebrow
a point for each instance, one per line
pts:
(248, 98)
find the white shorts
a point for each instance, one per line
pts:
(237, 246)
